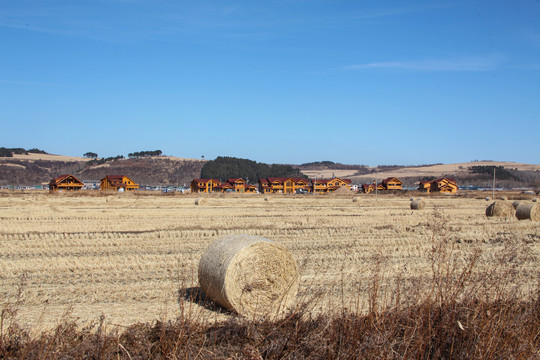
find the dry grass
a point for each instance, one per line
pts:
(373, 264)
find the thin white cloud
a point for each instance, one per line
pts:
(484, 63)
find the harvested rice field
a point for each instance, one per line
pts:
(134, 258)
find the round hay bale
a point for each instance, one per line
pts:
(200, 201)
(528, 211)
(535, 200)
(500, 208)
(516, 203)
(249, 274)
(504, 198)
(418, 204)
(488, 198)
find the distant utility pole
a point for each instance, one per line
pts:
(493, 187)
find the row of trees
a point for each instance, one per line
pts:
(93, 155)
(8, 152)
(501, 172)
(224, 167)
(96, 161)
(145, 153)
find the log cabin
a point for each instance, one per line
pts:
(282, 185)
(65, 182)
(444, 185)
(392, 183)
(425, 186)
(204, 185)
(324, 186)
(118, 183)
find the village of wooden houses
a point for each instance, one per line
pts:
(271, 185)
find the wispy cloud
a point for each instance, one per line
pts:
(378, 13)
(482, 63)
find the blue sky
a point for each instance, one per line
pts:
(351, 81)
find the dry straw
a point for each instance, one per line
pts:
(266, 198)
(355, 199)
(200, 201)
(504, 198)
(528, 211)
(418, 204)
(250, 275)
(500, 208)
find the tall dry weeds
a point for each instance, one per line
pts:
(470, 309)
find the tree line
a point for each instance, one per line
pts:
(8, 152)
(224, 167)
(145, 153)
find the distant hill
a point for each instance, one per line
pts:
(476, 173)
(35, 169)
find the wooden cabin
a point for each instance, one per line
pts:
(444, 185)
(392, 183)
(66, 182)
(237, 185)
(367, 188)
(264, 186)
(324, 186)
(251, 189)
(282, 185)
(118, 183)
(425, 186)
(204, 185)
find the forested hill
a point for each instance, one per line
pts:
(224, 167)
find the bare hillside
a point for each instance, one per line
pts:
(35, 169)
(414, 172)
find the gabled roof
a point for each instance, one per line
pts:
(233, 180)
(449, 180)
(387, 180)
(117, 180)
(277, 179)
(325, 181)
(61, 178)
(206, 180)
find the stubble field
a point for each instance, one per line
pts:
(134, 258)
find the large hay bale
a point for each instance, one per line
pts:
(504, 198)
(418, 204)
(516, 203)
(488, 198)
(535, 200)
(500, 208)
(528, 211)
(200, 201)
(248, 274)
